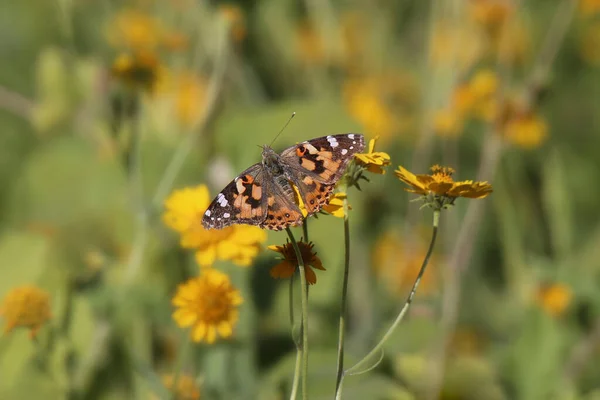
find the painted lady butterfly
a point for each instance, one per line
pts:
(263, 194)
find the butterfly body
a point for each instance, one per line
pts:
(268, 193)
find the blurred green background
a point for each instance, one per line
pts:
(108, 106)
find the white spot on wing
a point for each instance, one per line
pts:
(344, 151)
(351, 136)
(207, 213)
(226, 215)
(332, 141)
(351, 147)
(222, 200)
(354, 142)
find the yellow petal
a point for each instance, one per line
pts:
(206, 257)
(199, 332)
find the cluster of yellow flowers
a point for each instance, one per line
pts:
(478, 99)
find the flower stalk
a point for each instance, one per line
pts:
(356, 368)
(296, 339)
(304, 323)
(343, 307)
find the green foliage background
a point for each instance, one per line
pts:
(70, 220)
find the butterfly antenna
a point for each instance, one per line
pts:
(282, 129)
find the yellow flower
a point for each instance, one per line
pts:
(235, 16)
(310, 46)
(447, 123)
(335, 206)
(554, 299)
(439, 187)
(238, 243)
(208, 304)
(384, 104)
(589, 7)
(528, 130)
(491, 13)
(134, 30)
(289, 263)
(398, 265)
(26, 306)
(187, 388)
(141, 69)
(373, 161)
(483, 87)
(483, 84)
(457, 45)
(190, 94)
(590, 44)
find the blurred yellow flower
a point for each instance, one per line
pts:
(398, 266)
(554, 299)
(463, 99)
(460, 46)
(235, 16)
(373, 161)
(289, 263)
(238, 243)
(190, 95)
(384, 104)
(527, 130)
(441, 186)
(187, 388)
(490, 12)
(139, 70)
(484, 84)
(589, 7)
(483, 87)
(309, 45)
(335, 206)
(208, 304)
(134, 29)
(25, 307)
(448, 123)
(589, 44)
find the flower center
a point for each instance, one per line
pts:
(214, 305)
(442, 174)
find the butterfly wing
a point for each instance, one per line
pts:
(282, 210)
(242, 201)
(324, 159)
(315, 166)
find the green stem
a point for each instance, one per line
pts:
(296, 340)
(179, 363)
(359, 365)
(304, 326)
(305, 230)
(342, 325)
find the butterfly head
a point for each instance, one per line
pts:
(270, 160)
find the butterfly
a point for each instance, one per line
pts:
(266, 194)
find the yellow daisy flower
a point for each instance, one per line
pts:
(207, 304)
(554, 299)
(26, 306)
(373, 161)
(289, 263)
(187, 388)
(238, 243)
(335, 206)
(527, 131)
(134, 29)
(439, 189)
(141, 70)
